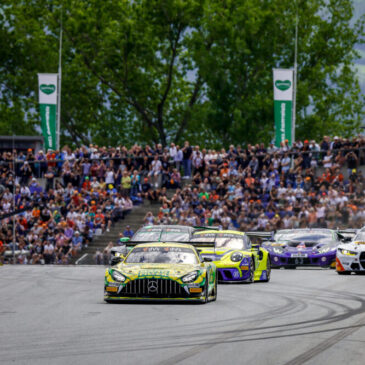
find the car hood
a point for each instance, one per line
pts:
(303, 246)
(354, 246)
(172, 271)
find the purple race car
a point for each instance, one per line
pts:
(304, 247)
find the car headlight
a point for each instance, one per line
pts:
(324, 249)
(190, 277)
(236, 256)
(278, 250)
(118, 276)
(347, 252)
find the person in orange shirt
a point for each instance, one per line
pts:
(224, 170)
(36, 212)
(249, 180)
(99, 219)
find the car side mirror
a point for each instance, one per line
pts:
(116, 260)
(207, 259)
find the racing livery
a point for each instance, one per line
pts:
(161, 271)
(234, 256)
(350, 257)
(304, 247)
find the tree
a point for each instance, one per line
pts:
(166, 70)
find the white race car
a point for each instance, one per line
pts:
(350, 257)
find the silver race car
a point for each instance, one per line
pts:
(350, 257)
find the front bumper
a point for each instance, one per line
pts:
(350, 263)
(153, 289)
(289, 259)
(233, 275)
(108, 298)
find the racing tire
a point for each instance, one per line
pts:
(268, 271)
(251, 279)
(215, 290)
(344, 272)
(206, 291)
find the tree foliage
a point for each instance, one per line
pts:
(166, 70)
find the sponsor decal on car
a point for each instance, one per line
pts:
(154, 273)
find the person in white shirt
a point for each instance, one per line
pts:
(172, 151)
(178, 157)
(109, 176)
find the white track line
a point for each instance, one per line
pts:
(81, 258)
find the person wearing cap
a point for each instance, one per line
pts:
(128, 232)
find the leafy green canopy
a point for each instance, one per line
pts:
(168, 70)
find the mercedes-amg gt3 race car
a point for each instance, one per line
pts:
(304, 247)
(163, 272)
(157, 233)
(350, 257)
(234, 256)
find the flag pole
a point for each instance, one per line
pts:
(295, 74)
(59, 86)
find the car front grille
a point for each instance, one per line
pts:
(156, 288)
(299, 261)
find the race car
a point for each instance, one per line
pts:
(304, 247)
(163, 272)
(350, 257)
(158, 233)
(235, 257)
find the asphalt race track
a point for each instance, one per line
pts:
(56, 315)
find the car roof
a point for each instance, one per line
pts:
(220, 232)
(305, 229)
(164, 226)
(165, 244)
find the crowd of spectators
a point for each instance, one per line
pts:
(257, 187)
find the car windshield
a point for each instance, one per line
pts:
(360, 237)
(222, 240)
(305, 235)
(158, 234)
(162, 255)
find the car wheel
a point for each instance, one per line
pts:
(251, 279)
(206, 291)
(215, 290)
(268, 271)
(344, 272)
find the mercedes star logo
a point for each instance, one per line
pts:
(152, 286)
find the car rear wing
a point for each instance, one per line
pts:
(257, 237)
(347, 234)
(206, 228)
(196, 244)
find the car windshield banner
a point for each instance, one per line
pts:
(283, 105)
(47, 88)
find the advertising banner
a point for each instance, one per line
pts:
(47, 86)
(283, 105)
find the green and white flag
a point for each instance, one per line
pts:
(283, 105)
(47, 85)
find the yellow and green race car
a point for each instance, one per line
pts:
(237, 260)
(161, 271)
